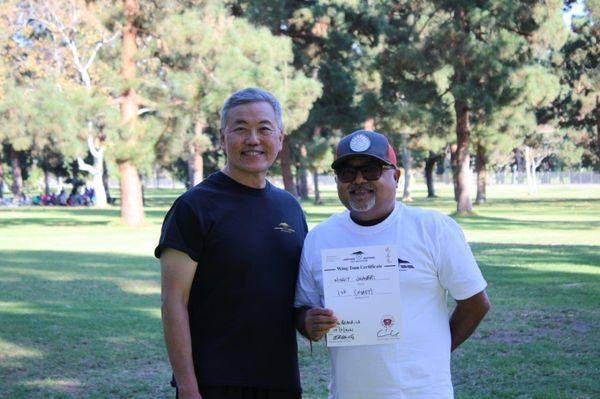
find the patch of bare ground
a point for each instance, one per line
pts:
(534, 325)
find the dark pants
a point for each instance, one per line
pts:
(246, 393)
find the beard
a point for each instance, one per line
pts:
(362, 201)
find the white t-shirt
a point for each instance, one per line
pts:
(434, 259)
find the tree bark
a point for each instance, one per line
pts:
(286, 168)
(97, 172)
(1, 176)
(463, 133)
(17, 173)
(429, 165)
(301, 175)
(196, 163)
(46, 181)
(105, 181)
(407, 165)
(528, 168)
(480, 166)
(454, 168)
(131, 195)
(132, 207)
(461, 108)
(315, 176)
(598, 132)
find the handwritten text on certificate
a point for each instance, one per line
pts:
(362, 288)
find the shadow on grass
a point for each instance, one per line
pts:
(80, 325)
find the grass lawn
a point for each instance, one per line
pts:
(80, 296)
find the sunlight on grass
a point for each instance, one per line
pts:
(61, 385)
(152, 312)
(11, 351)
(139, 287)
(21, 308)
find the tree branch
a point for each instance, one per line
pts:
(98, 46)
(92, 147)
(86, 167)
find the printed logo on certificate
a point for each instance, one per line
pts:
(362, 287)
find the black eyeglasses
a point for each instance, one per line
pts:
(369, 172)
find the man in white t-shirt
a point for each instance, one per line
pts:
(433, 260)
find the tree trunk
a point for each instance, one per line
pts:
(46, 182)
(131, 195)
(286, 168)
(1, 176)
(105, 181)
(302, 183)
(98, 181)
(454, 168)
(461, 107)
(132, 207)
(463, 132)
(96, 170)
(369, 124)
(528, 164)
(407, 164)
(315, 176)
(480, 166)
(301, 175)
(196, 163)
(598, 132)
(17, 175)
(429, 165)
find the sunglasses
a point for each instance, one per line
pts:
(347, 174)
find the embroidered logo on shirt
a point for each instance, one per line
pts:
(286, 228)
(404, 264)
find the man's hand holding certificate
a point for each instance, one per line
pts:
(361, 286)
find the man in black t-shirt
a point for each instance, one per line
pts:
(229, 253)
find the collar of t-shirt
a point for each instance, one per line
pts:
(222, 179)
(382, 225)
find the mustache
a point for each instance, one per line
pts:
(364, 186)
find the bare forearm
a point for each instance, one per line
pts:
(466, 317)
(179, 344)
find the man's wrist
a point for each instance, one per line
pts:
(301, 321)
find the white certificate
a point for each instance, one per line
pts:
(362, 287)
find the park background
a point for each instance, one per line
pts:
(493, 108)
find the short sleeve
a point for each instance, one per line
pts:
(182, 230)
(457, 269)
(307, 292)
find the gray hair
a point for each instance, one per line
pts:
(250, 95)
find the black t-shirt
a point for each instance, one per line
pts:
(247, 243)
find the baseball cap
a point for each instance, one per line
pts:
(364, 142)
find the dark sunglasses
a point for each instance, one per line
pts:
(370, 172)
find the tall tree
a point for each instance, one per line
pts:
(577, 107)
(71, 36)
(207, 54)
(480, 44)
(331, 41)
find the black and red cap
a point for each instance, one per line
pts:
(365, 143)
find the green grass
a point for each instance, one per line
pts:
(80, 294)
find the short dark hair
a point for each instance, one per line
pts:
(251, 95)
